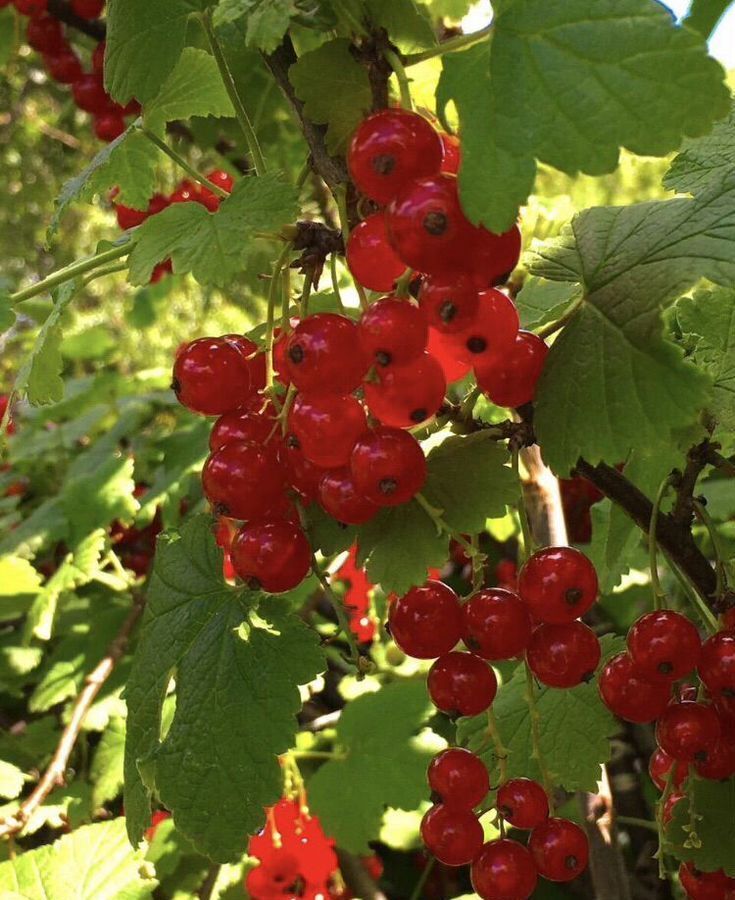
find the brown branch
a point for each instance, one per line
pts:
(357, 878)
(54, 776)
(607, 866)
(686, 483)
(61, 10)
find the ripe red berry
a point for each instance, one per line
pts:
(389, 466)
(559, 584)
(46, 34)
(31, 7)
(242, 425)
(444, 350)
(324, 355)
(407, 395)
(389, 149)
(664, 645)
(563, 655)
(427, 621)
(327, 427)
(90, 95)
(453, 836)
(254, 359)
(303, 476)
(560, 849)
(109, 126)
(461, 684)
(244, 480)
(717, 664)
(497, 624)
(688, 730)
(492, 257)
(222, 179)
(504, 870)
(98, 57)
(660, 765)
(127, 217)
(490, 336)
(706, 885)
(339, 497)
(510, 380)
(186, 192)
(64, 67)
(88, 9)
(211, 376)
(450, 305)
(452, 153)
(720, 762)
(272, 556)
(628, 695)
(393, 332)
(370, 257)
(458, 778)
(523, 803)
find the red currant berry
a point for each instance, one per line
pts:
(254, 358)
(243, 480)
(31, 7)
(688, 731)
(272, 556)
(303, 476)
(341, 500)
(427, 621)
(389, 466)
(211, 376)
(560, 849)
(452, 153)
(393, 332)
(559, 584)
(186, 192)
(46, 35)
(88, 9)
(242, 425)
(64, 67)
(127, 217)
(491, 335)
(523, 803)
(324, 355)
(98, 57)
(453, 836)
(90, 95)
(109, 127)
(461, 684)
(459, 778)
(222, 179)
(444, 350)
(664, 645)
(389, 149)
(370, 257)
(706, 885)
(492, 257)
(511, 380)
(720, 762)
(497, 624)
(404, 396)
(717, 664)
(503, 870)
(660, 765)
(564, 655)
(327, 427)
(450, 305)
(628, 695)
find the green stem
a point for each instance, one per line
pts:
(528, 542)
(335, 281)
(276, 283)
(75, 269)
(477, 561)
(456, 43)
(106, 270)
(305, 296)
(633, 822)
(708, 617)
(286, 300)
(182, 163)
(557, 324)
(342, 617)
(659, 595)
(442, 527)
(317, 754)
(535, 717)
(417, 892)
(229, 82)
(668, 788)
(719, 551)
(501, 751)
(403, 81)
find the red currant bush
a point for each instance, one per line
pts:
(453, 835)
(559, 584)
(504, 870)
(458, 778)
(628, 695)
(496, 624)
(427, 621)
(563, 655)
(560, 849)
(523, 803)
(462, 684)
(272, 556)
(388, 466)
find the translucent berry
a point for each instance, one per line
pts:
(393, 332)
(563, 655)
(452, 153)
(339, 498)
(461, 684)
(452, 835)
(324, 355)
(327, 427)
(427, 621)
(628, 695)
(688, 731)
(272, 556)
(303, 476)
(450, 305)
(490, 337)
(211, 376)
(664, 645)
(717, 664)
(497, 624)
(407, 395)
(90, 95)
(109, 126)
(389, 466)
(243, 480)
(504, 870)
(523, 803)
(660, 765)
(64, 66)
(559, 584)
(706, 885)
(510, 380)
(459, 778)
(720, 762)
(370, 257)
(242, 425)
(444, 350)
(46, 34)
(492, 257)
(560, 849)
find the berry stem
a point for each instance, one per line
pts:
(402, 78)
(182, 163)
(456, 43)
(709, 619)
(660, 828)
(659, 595)
(528, 543)
(229, 82)
(435, 514)
(335, 281)
(501, 751)
(342, 617)
(418, 891)
(317, 754)
(305, 296)
(633, 822)
(552, 327)
(705, 518)
(537, 754)
(276, 283)
(478, 574)
(104, 271)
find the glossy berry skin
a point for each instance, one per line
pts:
(303, 476)
(254, 359)
(491, 335)
(427, 621)
(242, 425)
(389, 466)
(559, 584)
(90, 95)
(243, 480)
(496, 624)
(628, 695)
(88, 9)
(389, 149)
(324, 355)
(450, 305)
(275, 554)
(458, 778)
(492, 257)
(340, 499)
(720, 762)
(393, 332)
(560, 849)
(452, 153)
(688, 731)
(327, 427)
(453, 836)
(444, 350)
(46, 34)
(407, 395)
(523, 803)
(64, 67)
(504, 870)
(222, 179)
(370, 257)
(461, 684)
(564, 655)
(660, 765)
(511, 380)
(664, 645)
(211, 376)
(717, 664)
(109, 126)
(706, 885)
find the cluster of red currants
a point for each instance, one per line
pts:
(400, 162)
(540, 621)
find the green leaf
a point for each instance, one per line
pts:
(7, 314)
(470, 481)
(92, 343)
(144, 43)
(327, 535)
(705, 161)
(518, 94)
(407, 22)
(92, 863)
(383, 766)
(106, 773)
(575, 733)
(95, 499)
(19, 585)
(399, 545)
(45, 525)
(214, 247)
(238, 660)
(266, 21)
(450, 9)
(334, 88)
(11, 780)
(704, 15)
(8, 34)
(540, 301)
(714, 808)
(194, 88)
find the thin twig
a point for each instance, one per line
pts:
(182, 163)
